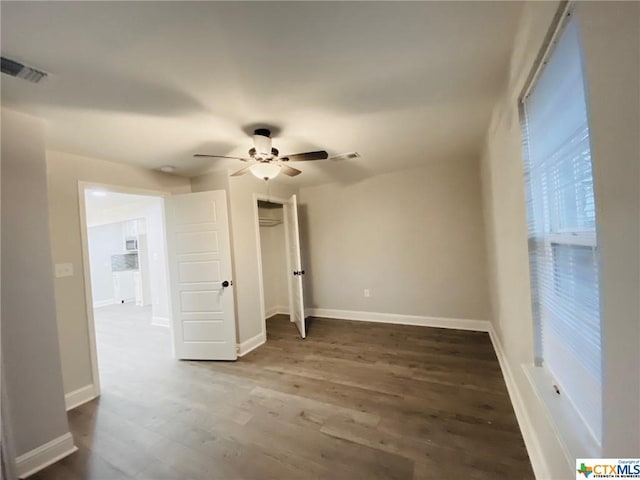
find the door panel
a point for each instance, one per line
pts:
(199, 254)
(198, 331)
(294, 264)
(200, 271)
(207, 303)
(198, 242)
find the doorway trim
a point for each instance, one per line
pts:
(89, 392)
(7, 447)
(272, 199)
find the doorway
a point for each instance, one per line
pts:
(279, 261)
(274, 261)
(126, 270)
(189, 279)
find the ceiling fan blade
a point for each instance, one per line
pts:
(287, 170)
(204, 155)
(303, 157)
(345, 156)
(242, 171)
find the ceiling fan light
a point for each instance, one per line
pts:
(265, 171)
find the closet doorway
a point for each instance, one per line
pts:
(279, 262)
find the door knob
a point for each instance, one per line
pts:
(226, 283)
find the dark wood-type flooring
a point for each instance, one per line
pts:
(353, 401)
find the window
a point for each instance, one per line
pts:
(563, 249)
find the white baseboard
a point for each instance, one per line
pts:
(439, 322)
(527, 428)
(105, 303)
(278, 310)
(78, 397)
(251, 344)
(282, 310)
(160, 321)
(35, 460)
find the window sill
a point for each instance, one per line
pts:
(575, 438)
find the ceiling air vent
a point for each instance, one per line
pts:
(16, 69)
(345, 156)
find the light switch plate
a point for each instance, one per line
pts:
(64, 270)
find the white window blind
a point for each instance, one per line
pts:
(563, 250)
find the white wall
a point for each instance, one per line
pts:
(158, 266)
(104, 241)
(64, 171)
(30, 351)
(145, 257)
(414, 238)
(274, 266)
(611, 52)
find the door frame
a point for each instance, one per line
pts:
(272, 199)
(86, 269)
(7, 443)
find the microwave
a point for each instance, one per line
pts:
(131, 244)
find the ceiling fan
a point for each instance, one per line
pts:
(265, 160)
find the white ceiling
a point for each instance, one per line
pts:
(151, 83)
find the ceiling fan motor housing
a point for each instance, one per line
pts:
(262, 142)
(264, 158)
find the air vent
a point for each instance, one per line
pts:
(345, 156)
(19, 70)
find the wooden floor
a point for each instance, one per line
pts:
(353, 401)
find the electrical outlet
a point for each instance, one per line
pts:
(367, 293)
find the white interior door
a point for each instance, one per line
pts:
(294, 265)
(199, 255)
